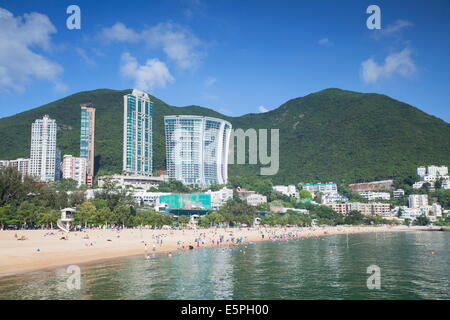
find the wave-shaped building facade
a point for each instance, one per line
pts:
(197, 149)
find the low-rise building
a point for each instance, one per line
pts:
(21, 164)
(364, 208)
(220, 197)
(137, 182)
(418, 200)
(256, 199)
(244, 193)
(301, 211)
(445, 184)
(325, 188)
(432, 173)
(339, 207)
(382, 209)
(290, 190)
(333, 198)
(406, 213)
(399, 193)
(436, 210)
(420, 184)
(370, 195)
(148, 198)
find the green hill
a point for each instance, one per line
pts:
(331, 135)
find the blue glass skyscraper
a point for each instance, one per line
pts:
(87, 140)
(138, 134)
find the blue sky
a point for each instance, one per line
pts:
(235, 57)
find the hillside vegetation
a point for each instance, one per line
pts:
(330, 135)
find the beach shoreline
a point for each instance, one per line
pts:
(43, 249)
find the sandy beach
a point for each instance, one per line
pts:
(44, 249)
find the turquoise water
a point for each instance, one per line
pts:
(297, 269)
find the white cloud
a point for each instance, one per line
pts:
(325, 42)
(392, 29)
(119, 32)
(19, 64)
(210, 81)
(178, 43)
(82, 53)
(399, 63)
(211, 97)
(262, 109)
(154, 73)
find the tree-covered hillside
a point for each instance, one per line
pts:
(330, 135)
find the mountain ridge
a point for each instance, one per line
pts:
(332, 134)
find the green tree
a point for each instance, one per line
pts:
(47, 218)
(305, 194)
(354, 217)
(237, 211)
(114, 196)
(215, 218)
(85, 212)
(183, 220)
(104, 215)
(422, 220)
(326, 215)
(400, 212)
(76, 198)
(123, 214)
(64, 185)
(263, 207)
(4, 215)
(26, 213)
(14, 189)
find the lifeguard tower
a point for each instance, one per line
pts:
(256, 222)
(66, 218)
(193, 221)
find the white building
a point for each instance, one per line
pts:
(256, 199)
(437, 171)
(220, 197)
(436, 210)
(43, 155)
(432, 173)
(432, 212)
(382, 209)
(399, 193)
(301, 211)
(137, 134)
(418, 200)
(197, 149)
(407, 213)
(148, 198)
(445, 184)
(325, 188)
(421, 171)
(74, 168)
(137, 182)
(370, 195)
(21, 164)
(420, 184)
(333, 198)
(290, 190)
